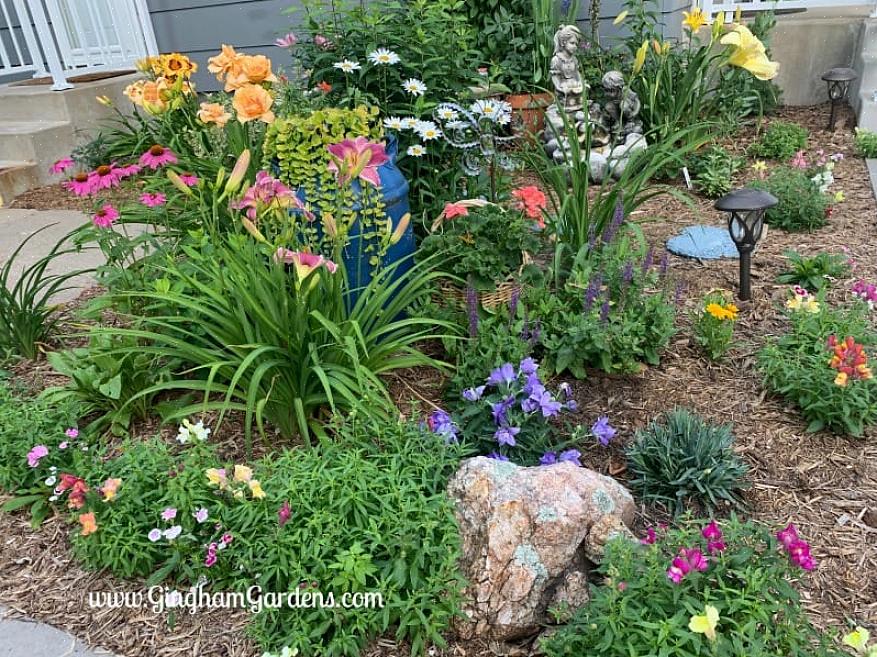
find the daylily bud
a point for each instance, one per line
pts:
(400, 228)
(656, 46)
(250, 227)
(239, 171)
(718, 24)
(220, 176)
(620, 18)
(640, 57)
(105, 101)
(174, 177)
(329, 225)
(738, 14)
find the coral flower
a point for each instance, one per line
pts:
(357, 158)
(256, 69)
(157, 156)
(213, 113)
(455, 210)
(105, 217)
(324, 86)
(531, 201)
(110, 488)
(151, 200)
(80, 185)
(88, 522)
(253, 102)
(60, 166)
(189, 179)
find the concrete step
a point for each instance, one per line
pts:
(39, 141)
(29, 103)
(17, 176)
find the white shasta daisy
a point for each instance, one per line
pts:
(446, 113)
(383, 56)
(414, 87)
(394, 123)
(427, 130)
(347, 66)
(416, 150)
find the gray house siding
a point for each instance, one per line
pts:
(198, 28)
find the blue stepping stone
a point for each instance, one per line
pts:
(704, 243)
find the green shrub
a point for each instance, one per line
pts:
(107, 379)
(780, 141)
(866, 142)
(797, 366)
(638, 610)
(683, 458)
(713, 324)
(815, 272)
(713, 171)
(801, 207)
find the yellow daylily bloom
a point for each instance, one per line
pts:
(749, 53)
(242, 473)
(640, 57)
(256, 490)
(705, 624)
(620, 17)
(695, 20)
(718, 24)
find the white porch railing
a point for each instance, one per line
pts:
(712, 7)
(64, 38)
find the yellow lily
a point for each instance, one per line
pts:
(749, 53)
(695, 20)
(640, 57)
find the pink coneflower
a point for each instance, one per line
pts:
(105, 176)
(130, 170)
(80, 185)
(105, 217)
(157, 156)
(151, 200)
(61, 165)
(189, 179)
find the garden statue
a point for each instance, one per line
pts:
(615, 131)
(565, 74)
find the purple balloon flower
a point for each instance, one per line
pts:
(548, 458)
(473, 394)
(543, 401)
(571, 456)
(496, 456)
(503, 374)
(506, 435)
(528, 366)
(603, 431)
(499, 410)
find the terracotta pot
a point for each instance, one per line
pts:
(528, 113)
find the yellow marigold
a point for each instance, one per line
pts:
(749, 53)
(213, 113)
(253, 102)
(177, 65)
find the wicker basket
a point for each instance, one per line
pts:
(450, 294)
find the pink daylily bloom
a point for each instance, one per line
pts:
(303, 262)
(61, 165)
(158, 156)
(105, 217)
(286, 41)
(357, 158)
(151, 200)
(268, 193)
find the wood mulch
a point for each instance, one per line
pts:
(824, 483)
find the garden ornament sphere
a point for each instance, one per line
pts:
(838, 81)
(746, 208)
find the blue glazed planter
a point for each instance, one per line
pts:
(394, 190)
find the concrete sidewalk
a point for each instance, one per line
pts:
(20, 638)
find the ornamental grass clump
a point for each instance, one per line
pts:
(823, 364)
(683, 459)
(714, 325)
(700, 589)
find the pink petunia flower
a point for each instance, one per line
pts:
(35, 454)
(158, 156)
(79, 185)
(105, 217)
(60, 166)
(151, 200)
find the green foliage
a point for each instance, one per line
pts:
(713, 325)
(713, 170)
(866, 142)
(380, 524)
(801, 207)
(780, 141)
(106, 379)
(796, 366)
(684, 458)
(638, 611)
(815, 272)
(254, 337)
(484, 247)
(27, 315)
(613, 312)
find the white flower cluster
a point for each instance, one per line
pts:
(188, 431)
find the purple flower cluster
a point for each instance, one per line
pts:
(440, 422)
(568, 456)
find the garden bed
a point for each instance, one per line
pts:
(826, 484)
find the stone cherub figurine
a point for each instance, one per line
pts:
(565, 74)
(621, 107)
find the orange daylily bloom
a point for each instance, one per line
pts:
(253, 102)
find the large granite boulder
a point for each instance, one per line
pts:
(530, 536)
